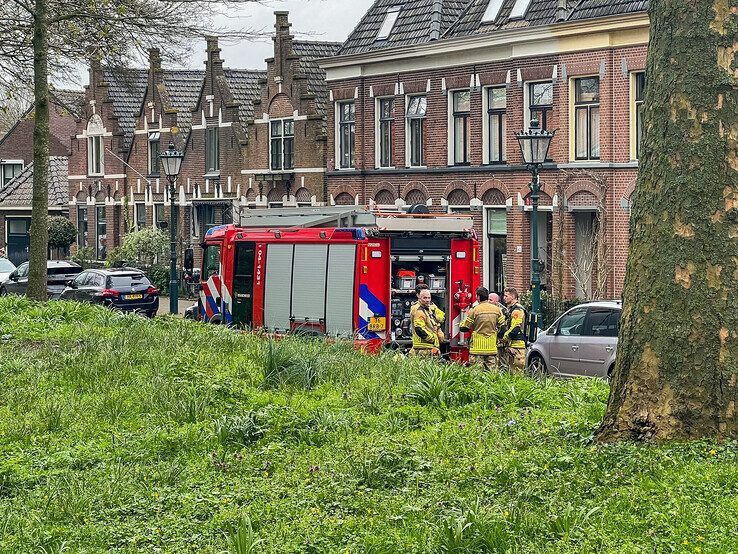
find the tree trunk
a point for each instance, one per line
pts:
(677, 364)
(40, 204)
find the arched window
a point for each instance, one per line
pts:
(493, 197)
(415, 196)
(344, 199)
(303, 197)
(384, 197)
(95, 146)
(458, 197)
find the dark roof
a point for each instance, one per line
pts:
(587, 9)
(245, 88)
(19, 192)
(310, 53)
(126, 90)
(73, 101)
(182, 92)
(539, 12)
(414, 24)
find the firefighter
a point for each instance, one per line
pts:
(514, 337)
(426, 320)
(483, 320)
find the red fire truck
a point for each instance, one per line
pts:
(339, 272)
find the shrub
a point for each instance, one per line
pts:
(62, 232)
(147, 247)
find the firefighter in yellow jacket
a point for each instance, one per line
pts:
(426, 320)
(483, 320)
(514, 337)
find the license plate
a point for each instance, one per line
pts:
(134, 296)
(377, 323)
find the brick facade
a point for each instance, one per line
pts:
(572, 190)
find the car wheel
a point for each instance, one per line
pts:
(537, 366)
(3, 292)
(609, 371)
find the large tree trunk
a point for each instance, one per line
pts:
(677, 365)
(40, 206)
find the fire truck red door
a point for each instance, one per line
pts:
(373, 298)
(464, 281)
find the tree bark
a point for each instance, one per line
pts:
(677, 368)
(40, 204)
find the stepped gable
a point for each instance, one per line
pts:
(310, 52)
(126, 91)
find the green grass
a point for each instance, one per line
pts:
(127, 435)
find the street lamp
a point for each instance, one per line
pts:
(171, 162)
(534, 144)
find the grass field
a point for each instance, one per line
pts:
(120, 434)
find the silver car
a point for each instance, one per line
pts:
(582, 342)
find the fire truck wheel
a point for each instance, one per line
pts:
(216, 320)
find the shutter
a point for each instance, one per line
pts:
(308, 282)
(278, 286)
(340, 302)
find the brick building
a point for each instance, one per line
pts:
(16, 169)
(425, 97)
(250, 138)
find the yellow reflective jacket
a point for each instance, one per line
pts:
(426, 324)
(515, 330)
(483, 320)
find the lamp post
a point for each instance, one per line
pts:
(534, 144)
(171, 162)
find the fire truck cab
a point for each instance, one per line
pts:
(339, 272)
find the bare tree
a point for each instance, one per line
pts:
(45, 37)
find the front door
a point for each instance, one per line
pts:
(18, 239)
(243, 284)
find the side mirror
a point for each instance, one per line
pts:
(551, 330)
(189, 259)
(533, 328)
(71, 284)
(13, 276)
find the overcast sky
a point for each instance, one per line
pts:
(331, 20)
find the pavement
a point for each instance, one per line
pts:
(183, 305)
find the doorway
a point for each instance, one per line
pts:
(19, 239)
(243, 285)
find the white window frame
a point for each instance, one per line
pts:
(526, 99)
(486, 139)
(408, 134)
(282, 139)
(95, 149)
(212, 130)
(154, 136)
(451, 130)
(519, 9)
(378, 133)
(573, 122)
(337, 134)
(3, 182)
(633, 142)
(492, 11)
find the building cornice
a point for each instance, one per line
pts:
(620, 30)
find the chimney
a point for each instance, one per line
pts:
(435, 24)
(154, 59)
(282, 41)
(562, 11)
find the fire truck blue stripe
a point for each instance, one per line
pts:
(372, 302)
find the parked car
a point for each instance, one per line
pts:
(582, 342)
(6, 268)
(59, 273)
(125, 289)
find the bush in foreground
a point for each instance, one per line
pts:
(120, 434)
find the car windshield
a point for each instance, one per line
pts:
(6, 266)
(128, 280)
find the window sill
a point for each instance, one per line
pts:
(211, 175)
(90, 175)
(416, 167)
(346, 169)
(385, 167)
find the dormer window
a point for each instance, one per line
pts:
(492, 11)
(519, 9)
(95, 146)
(389, 22)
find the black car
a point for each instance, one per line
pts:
(125, 289)
(59, 273)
